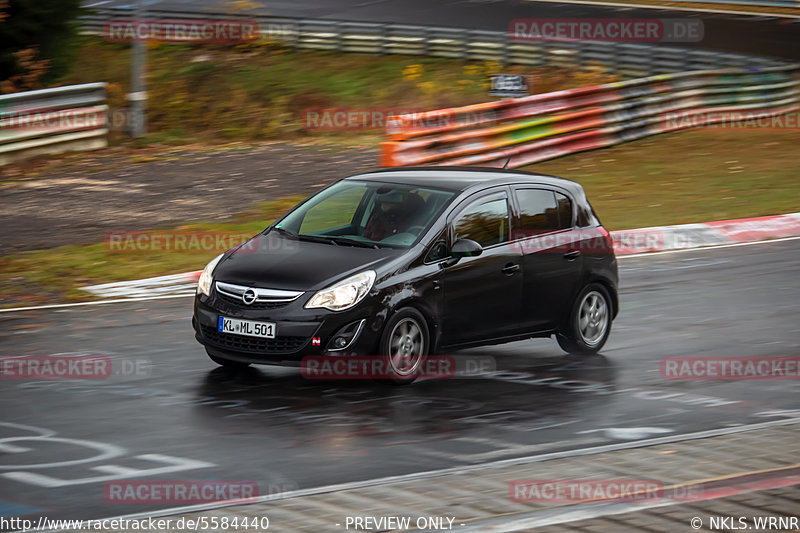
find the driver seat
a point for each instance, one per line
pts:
(381, 225)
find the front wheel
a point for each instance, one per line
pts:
(404, 345)
(589, 323)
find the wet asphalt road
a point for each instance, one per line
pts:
(194, 421)
(733, 33)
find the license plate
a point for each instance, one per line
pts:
(265, 330)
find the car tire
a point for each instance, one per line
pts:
(404, 346)
(227, 363)
(589, 322)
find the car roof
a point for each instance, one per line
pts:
(460, 178)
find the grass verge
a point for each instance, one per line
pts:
(48, 276)
(263, 90)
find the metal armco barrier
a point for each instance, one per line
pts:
(544, 126)
(51, 121)
(762, 3)
(625, 59)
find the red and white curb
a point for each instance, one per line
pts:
(706, 234)
(626, 242)
(138, 288)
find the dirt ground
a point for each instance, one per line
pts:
(80, 200)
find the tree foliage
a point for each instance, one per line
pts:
(37, 41)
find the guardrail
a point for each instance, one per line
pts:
(625, 59)
(762, 3)
(544, 126)
(51, 121)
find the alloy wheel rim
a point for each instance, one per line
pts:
(593, 318)
(406, 346)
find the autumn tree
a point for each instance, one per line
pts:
(37, 42)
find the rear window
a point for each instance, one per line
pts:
(587, 217)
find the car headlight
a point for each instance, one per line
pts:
(344, 294)
(204, 283)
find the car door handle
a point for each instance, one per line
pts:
(510, 268)
(573, 255)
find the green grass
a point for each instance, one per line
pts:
(691, 176)
(217, 93)
(42, 276)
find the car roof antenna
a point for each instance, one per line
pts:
(507, 162)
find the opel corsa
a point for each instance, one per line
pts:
(403, 263)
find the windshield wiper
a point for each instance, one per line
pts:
(353, 242)
(334, 240)
(316, 238)
(285, 232)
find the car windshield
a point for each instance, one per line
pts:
(360, 213)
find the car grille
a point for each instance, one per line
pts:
(237, 302)
(263, 298)
(243, 343)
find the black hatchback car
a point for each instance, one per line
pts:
(402, 263)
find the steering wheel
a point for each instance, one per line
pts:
(415, 229)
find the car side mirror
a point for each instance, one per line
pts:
(466, 248)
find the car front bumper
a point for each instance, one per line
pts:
(300, 332)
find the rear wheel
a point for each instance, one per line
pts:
(404, 345)
(227, 363)
(589, 323)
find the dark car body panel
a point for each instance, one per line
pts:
(472, 301)
(297, 265)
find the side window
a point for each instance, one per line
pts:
(538, 211)
(564, 211)
(437, 252)
(485, 222)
